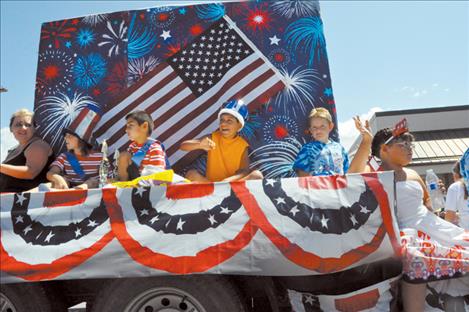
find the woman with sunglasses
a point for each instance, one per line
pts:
(26, 165)
(433, 249)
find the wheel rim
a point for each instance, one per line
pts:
(164, 299)
(5, 304)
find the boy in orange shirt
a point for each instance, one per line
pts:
(227, 158)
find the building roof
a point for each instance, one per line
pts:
(406, 112)
(440, 146)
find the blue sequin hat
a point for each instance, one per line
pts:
(237, 109)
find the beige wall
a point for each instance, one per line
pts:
(438, 168)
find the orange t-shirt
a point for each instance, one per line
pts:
(225, 159)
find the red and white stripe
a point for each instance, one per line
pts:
(84, 123)
(400, 128)
(155, 155)
(90, 165)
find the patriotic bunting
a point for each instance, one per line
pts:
(193, 228)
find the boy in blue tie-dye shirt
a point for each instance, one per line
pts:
(322, 156)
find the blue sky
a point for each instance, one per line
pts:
(384, 55)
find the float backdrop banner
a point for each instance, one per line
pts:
(273, 53)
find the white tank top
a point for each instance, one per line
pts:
(410, 207)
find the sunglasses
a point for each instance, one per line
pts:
(22, 124)
(407, 145)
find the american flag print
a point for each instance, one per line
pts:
(185, 93)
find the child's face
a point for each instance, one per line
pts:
(229, 126)
(71, 142)
(136, 132)
(320, 129)
(399, 152)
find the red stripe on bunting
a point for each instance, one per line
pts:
(65, 198)
(336, 182)
(377, 188)
(48, 271)
(201, 262)
(191, 190)
(294, 252)
(359, 302)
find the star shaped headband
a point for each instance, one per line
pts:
(399, 128)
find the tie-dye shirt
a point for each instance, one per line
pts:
(320, 159)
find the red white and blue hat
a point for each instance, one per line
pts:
(82, 126)
(237, 109)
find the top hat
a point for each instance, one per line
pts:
(82, 126)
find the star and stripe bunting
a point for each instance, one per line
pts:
(193, 228)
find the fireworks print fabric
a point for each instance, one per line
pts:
(82, 62)
(90, 60)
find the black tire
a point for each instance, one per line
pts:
(55, 296)
(182, 293)
(24, 297)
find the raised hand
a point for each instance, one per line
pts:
(364, 129)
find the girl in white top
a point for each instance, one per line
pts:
(432, 249)
(456, 206)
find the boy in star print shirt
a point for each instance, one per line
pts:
(321, 157)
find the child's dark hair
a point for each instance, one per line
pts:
(457, 170)
(383, 135)
(84, 146)
(140, 117)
